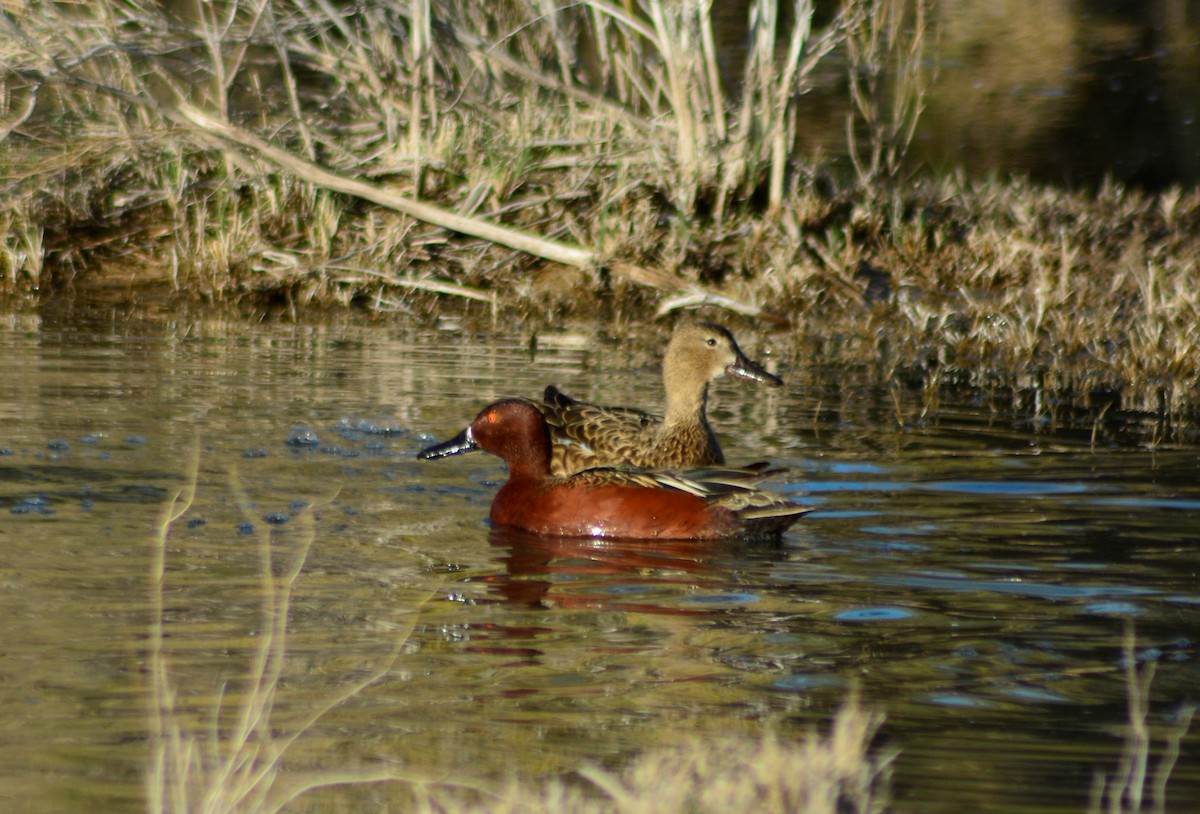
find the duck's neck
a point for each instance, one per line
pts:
(527, 456)
(686, 404)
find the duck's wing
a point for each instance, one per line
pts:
(596, 428)
(747, 476)
(736, 489)
(562, 410)
(771, 520)
(712, 483)
(763, 513)
(624, 476)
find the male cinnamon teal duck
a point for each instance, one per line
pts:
(587, 435)
(609, 502)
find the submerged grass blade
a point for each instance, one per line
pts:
(239, 767)
(1126, 792)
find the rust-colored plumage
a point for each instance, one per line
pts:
(588, 435)
(610, 502)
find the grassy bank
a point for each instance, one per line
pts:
(603, 158)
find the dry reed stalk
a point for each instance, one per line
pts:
(696, 298)
(429, 284)
(173, 755)
(423, 107)
(713, 146)
(884, 45)
(675, 46)
(769, 89)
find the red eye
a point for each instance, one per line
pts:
(491, 418)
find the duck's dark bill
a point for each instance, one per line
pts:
(748, 370)
(463, 442)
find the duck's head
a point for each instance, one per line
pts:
(701, 352)
(511, 429)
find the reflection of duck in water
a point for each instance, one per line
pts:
(613, 503)
(626, 575)
(587, 435)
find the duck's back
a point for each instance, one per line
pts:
(588, 435)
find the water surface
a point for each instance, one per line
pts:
(972, 577)
(1063, 91)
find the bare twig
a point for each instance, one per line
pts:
(698, 298)
(307, 171)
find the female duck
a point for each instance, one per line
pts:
(608, 502)
(586, 435)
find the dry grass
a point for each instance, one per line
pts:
(887, 87)
(593, 124)
(834, 774)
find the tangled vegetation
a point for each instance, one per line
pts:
(573, 159)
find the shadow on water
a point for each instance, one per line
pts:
(972, 575)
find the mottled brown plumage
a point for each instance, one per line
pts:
(588, 435)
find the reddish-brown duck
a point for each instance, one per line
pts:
(609, 502)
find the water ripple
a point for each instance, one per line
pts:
(876, 614)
